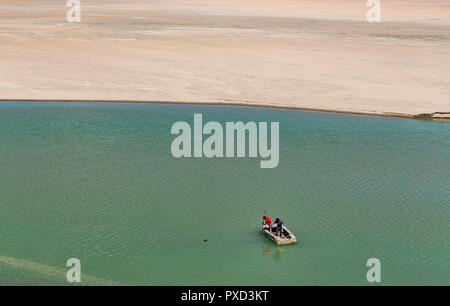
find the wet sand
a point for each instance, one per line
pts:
(298, 54)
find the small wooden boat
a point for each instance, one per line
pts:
(286, 236)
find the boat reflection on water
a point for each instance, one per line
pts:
(275, 251)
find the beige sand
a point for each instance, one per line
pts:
(289, 53)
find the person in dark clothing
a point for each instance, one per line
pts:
(279, 223)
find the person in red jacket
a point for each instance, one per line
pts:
(268, 222)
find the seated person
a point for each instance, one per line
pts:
(279, 223)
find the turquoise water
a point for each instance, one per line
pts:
(97, 181)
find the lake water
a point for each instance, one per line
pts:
(97, 181)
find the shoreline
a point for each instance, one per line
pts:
(249, 53)
(423, 116)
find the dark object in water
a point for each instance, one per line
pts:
(435, 115)
(205, 240)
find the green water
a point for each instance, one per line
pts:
(97, 181)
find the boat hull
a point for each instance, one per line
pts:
(284, 240)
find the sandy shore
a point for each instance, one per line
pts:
(286, 53)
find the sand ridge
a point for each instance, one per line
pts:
(301, 54)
